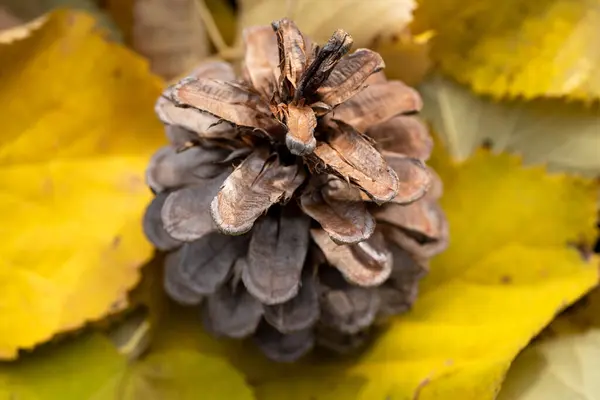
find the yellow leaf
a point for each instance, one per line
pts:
(364, 20)
(518, 48)
(89, 367)
(77, 130)
(406, 55)
(508, 271)
(566, 136)
(566, 367)
(565, 363)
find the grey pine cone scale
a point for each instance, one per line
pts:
(294, 201)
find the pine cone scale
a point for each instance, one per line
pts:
(275, 257)
(345, 260)
(258, 182)
(349, 75)
(292, 52)
(405, 135)
(206, 263)
(225, 100)
(346, 222)
(261, 60)
(232, 312)
(175, 285)
(301, 123)
(325, 61)
(378, 103)
(350, 156)
(413, 176)
(298, 313)
(186, 212)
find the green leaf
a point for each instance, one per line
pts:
(86, 368)
(564, 364)
(90, 368)
(566, 136)
(561, 368)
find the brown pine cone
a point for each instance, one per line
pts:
(268, 196)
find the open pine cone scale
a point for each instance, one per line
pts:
(295, 202)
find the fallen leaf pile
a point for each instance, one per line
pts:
(511, 91)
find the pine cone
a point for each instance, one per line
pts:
(268, 196)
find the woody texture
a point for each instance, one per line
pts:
(294, 202)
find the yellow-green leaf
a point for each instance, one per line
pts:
(566, 367)
(566, 136)
(364, 20)
(90, 368)
(518, 48)
(86, 368)
(77, 130)
(565, 362)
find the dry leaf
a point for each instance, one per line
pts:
(564, 135)
(318, 19)
(170, 33)
(518, 49)
(72, 171)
